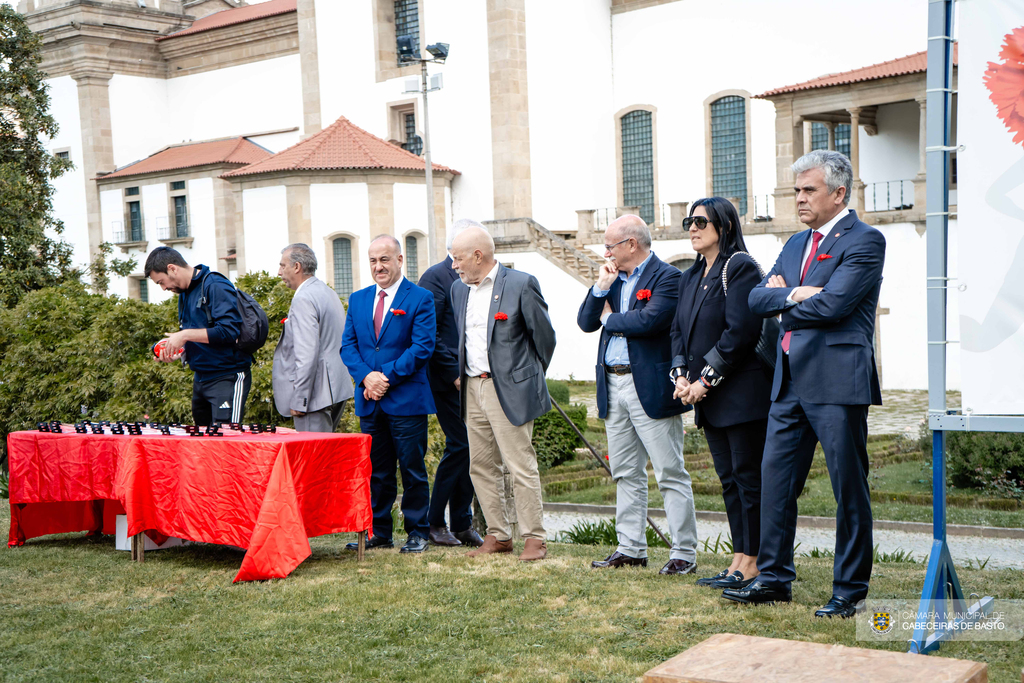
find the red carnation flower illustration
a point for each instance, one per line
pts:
(643, 295)
(397, 311)
(1005, 82)
(500, 316)
(284, 320)
(822, 257)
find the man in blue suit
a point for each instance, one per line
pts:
(388, 340)
(453, 488)
(825, 285)
(633, 303)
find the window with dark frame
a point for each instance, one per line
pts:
(177, 185)
(843, 138)
(180, 216)
(135, 221)
(413, 143)
(131, 191)
(64, 155)
(729, 149)
(407, 23)
(412, 268)
(819, 136)
(342, 248)
(143, 290)
(638, 163)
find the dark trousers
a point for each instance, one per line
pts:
(397, 440)
(794, 428)
(453, 489)
(736, 451)
(221, 399)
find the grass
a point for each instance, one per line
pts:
(74, 609)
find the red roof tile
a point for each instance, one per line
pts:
(911, 64)
(227, 151)
(342, 145)
(239, 15)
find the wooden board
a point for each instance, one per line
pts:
(731, 658)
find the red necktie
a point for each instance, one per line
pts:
(378, 314)
(816, 237)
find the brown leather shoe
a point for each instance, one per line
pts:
(491, 545)
(469, 537)
(535, 549)
(678, 567)
(439, 535)
(617, 559)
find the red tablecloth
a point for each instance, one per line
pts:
(267, 493)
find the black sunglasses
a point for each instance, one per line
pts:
(701, 222)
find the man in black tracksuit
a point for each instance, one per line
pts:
(222, 372)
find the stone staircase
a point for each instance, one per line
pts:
(519, 235)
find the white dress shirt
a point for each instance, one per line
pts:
(823, 231)
(389, 298)
(478, 306)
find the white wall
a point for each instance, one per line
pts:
(341, 207)
(265, 220)
(69, 190)
(891, 155)
(141, 118)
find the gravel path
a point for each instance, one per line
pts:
(1000, 552)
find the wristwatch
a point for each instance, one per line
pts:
(709, 377)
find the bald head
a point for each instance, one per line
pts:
(473, 254)
(627, 242)
(385, 254)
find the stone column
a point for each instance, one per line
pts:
(586, 221)
(238, 208)
(97, 145)
(382, 209)
(831, 126)
(789, 144)
(300, 225)
(310, 67)
(677, 211)
(920, 193)
(857, 201)
(510, 110)
(225, 234)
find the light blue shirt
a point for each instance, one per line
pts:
(617, 352)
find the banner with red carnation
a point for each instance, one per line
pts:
(989, 199)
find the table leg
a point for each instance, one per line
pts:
(362, 546)
(139, 547)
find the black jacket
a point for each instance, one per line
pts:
(644, 325)
(443, 368)
(712, 328)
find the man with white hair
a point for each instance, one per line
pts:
(825, 285)
(311, 383)
(453, 488)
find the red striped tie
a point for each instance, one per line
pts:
(378, 315)
(816, 237)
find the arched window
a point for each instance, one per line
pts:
(342, 247)
(637, 135)
(412, 264)
(729, 148)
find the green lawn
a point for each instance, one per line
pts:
(74, 609)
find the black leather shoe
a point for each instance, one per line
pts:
(838, 606)
(415, 544)
(708, 580)
(469, 537)
(439, 535)
(678, 567)
(734, 580)
(375, 542)
(757, 594)
(617, 559)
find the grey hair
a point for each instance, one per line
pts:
(637, 229)
(301, 253)
(837, 168)
(392, 239)
(460, 225)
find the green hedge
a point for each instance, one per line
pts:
(559, 392)
(553, 438)
(991, 461)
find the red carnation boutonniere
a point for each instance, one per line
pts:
(500, 316)
(397, 311)
(822, 257)
(643, 295)
(284, 320)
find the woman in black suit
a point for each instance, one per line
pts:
(715, 369)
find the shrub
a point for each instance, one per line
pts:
(603, 533)
(986, 460)
(553, 438)
(559, 392)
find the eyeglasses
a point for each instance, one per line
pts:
(701, 222)
(609, 247)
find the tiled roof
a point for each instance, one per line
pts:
(239, 15)
(912, 64)
(227, 151)
(342, 145)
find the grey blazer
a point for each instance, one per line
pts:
(518, 349)
(308, 372)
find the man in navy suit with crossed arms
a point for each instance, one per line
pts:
(825, 285)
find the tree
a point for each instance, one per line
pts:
(29, 258)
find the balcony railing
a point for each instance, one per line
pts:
(890, 195)
(134, 232)
(173, 232)
(763, 206)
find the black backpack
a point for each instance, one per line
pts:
(255, 325)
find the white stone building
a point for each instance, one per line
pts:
(231, 129)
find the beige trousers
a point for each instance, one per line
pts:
(493, 440)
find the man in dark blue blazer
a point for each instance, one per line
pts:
(825, 285)
(388, 340)
(453, 488)
(633, 303)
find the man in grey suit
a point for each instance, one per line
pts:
(311, 383)
(505, 345)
